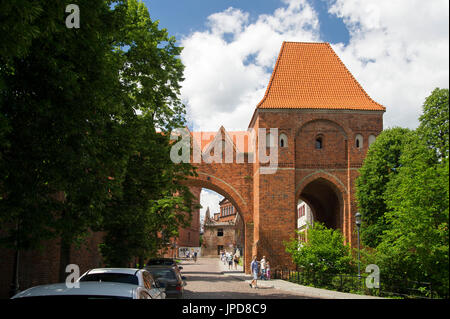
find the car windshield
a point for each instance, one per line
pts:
(163, 273)
(161, 262)
(112, 277)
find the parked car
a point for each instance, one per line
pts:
(170, 278)
(163, 262)
(86, 290)
(133, 276)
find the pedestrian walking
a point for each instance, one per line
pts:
(236, 260)
(254, 266)
(263, 268)
(230, 261)
(268, 270)
(195, 256)
(225, 257)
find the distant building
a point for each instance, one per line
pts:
(223, 231)
(304, 219)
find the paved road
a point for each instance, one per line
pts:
(206, 280)
(210, 279)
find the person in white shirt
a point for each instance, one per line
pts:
(254, 266)
(263, 267)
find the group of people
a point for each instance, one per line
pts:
(260, 269)
(228, 258)
(194, 256)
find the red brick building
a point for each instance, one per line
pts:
(224, 231)
(325, 122)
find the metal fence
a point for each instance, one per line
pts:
(352, 283)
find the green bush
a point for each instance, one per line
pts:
(322, 256)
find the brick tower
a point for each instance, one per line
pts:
(325, 122)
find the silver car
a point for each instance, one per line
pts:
(134, 276)
(86, 290)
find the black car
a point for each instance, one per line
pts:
(163, 262)
(168, 277)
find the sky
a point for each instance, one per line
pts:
(397, 50)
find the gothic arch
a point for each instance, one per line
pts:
(320, 174)
(326, 195)
(333, 123)
(222, 187)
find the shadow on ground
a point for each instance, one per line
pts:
(239, 295)
(214, 278)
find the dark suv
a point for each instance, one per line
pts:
(168, 277)
(163, 262)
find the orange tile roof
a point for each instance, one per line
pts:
(240, 139)
(311, 75)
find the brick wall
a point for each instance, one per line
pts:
(39, 267)
(325, 177)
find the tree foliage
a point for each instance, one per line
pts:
(153, 202)
(434, 123)
(418, 203)
(381, 164)
(324, 252)
(85, 120)
(403, 194)
(58, 96)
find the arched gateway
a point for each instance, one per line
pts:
(322, 119)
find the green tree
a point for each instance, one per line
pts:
(380, 166)
(61, 95)
(416, 245)
(434, 123)
(322, 255)
(78, 106)
(154, 200)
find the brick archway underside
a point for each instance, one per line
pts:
(234, 193)
(326, 202)
(327, 195)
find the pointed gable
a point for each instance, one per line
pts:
(240, 140)
(311, 76)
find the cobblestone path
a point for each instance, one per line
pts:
(205, 280)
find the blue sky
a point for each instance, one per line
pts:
(181, 17)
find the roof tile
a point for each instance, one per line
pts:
(311, 75)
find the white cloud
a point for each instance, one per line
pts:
(407, 46)
(398, 51)
(209, 199)
(229, 65)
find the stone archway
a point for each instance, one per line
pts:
(238, 200)
(326, 195)
(225, 189)
(325, 201)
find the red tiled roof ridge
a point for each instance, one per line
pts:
(354, 79)
(273, 75)
(281, 100)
